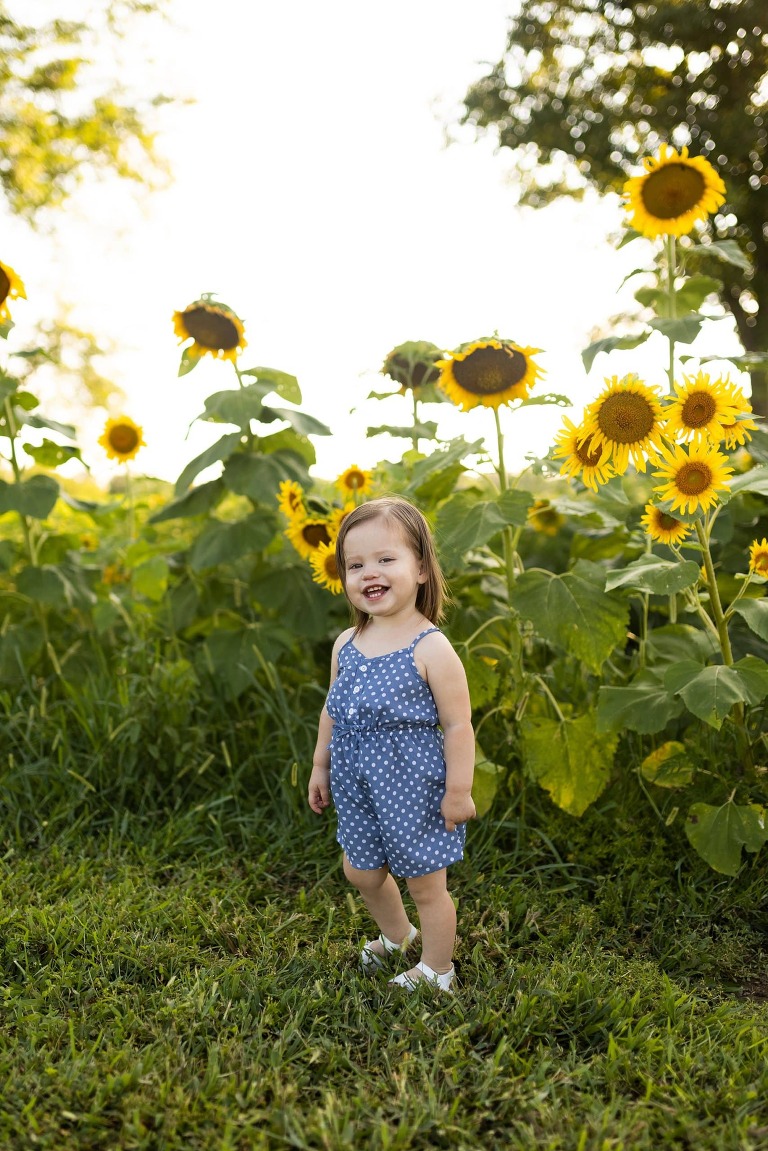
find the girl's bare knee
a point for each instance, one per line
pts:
(424, 888)
(365, 880)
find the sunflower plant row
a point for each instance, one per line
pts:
(609, 602)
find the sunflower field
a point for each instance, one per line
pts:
(609, 602)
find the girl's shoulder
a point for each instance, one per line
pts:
(343, 639)
(432, 650)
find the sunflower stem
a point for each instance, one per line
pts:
(508, 542)
(721, 624)
(131, 506)
(16, 467)
(671, 253)
(414, 437)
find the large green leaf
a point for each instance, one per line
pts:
(683, 330)
(46, 585)
(753, 675)
(49, 454)
(197, 502)
(646, 705)
(569, 759)
(302, 605)
(289, 440)
(694, 292)
(52, 425)
(649, 573)
(679, 641)
(35, 497)
(574, 611)
(150, 578)
(755, 613)
(238, 406)
(259, 476)
(464, 522)
(668, 766)
(709, 692)
(486, 781)
(718, 834)
(221, 543)
(435, 476)
(423, 430)
(726, 251)
(608, 344)
(232, 657)
(303, 423)
(755, 480)
(221, 450)
(283, 383)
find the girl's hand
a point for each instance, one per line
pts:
(457, 807)
(319, 792)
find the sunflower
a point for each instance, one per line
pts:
(307, 535)
(661, 526)
(122, 439)
(592, 465)
(488, 372)
(11, 288)
(675, 191)
(692, 476)
(626, 418)
(214, 328)
(355, 481)
(701, 409)
(544, 518)
(325, 571)
(413, 365)
(337, 516)
(737, 433)
(291, 499)
(758, 557)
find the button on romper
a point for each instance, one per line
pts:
(388, 766)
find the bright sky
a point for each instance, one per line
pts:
(314, 194)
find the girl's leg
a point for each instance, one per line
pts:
(437, 919)
(382, 897)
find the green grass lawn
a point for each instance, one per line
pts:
(173, 986)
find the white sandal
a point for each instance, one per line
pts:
(370, 960)
(440, 979)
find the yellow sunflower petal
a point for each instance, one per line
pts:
(626, 418)
(758, 557)
(675, 192)
(700, 409)
(581, 458)
(307, 534)
(661, 526)
(291, 499)
(11, 288)
(324, 569)
(355, 481)
(691, 477)
(489, 372)
(213, 327)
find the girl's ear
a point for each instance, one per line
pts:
(422, 576)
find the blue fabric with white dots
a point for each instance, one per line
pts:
(387, 765)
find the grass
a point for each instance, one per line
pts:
(165, 987)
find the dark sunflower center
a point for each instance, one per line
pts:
(412, 374)
(123, 438)
(698, 410)
(693, 478)
(315, 534)
(330, 566)
(665, 522)
(672, 190)
(488, 371)
(589, 457)
(625, 418)
(5, 286)
(761, 562)
(354, 480)
(211, 329)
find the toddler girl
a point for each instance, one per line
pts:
(395, 746)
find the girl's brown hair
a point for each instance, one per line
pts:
(432, 595)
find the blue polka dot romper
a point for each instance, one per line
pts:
(387, 765)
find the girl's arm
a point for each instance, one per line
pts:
(319, 791)
(447, 679)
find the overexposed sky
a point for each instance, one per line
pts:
(313, 192)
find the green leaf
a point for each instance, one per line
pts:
(150, 579)
(187, 362)
(678, 641)
(464, 522)
(259, 477)
(682, 330)
(197, 502)
(26, 401)
(419, 431)
(726, 251)
(65, 430)
(221, 543)
(574, 611)
(755, 480)
(718, 834)
(486, 782)
(668, 766)
(50, 454)
(651, 574)
(45, 585)
(755, 613)
(303, 423)
(569, 759)
(550, 398)
(232, 657)
(237, 407)
(646, 705)
(303, 606)
(434, 476)
(694, 292)
(708, 692)
(221, 450)
(35, 497)
(483, 680)
(609, 344)
(284, 384)
(753, 676)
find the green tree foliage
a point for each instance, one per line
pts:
(60, 118)
(584, 89)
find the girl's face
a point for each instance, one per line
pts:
(382, 572)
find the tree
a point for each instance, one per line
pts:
(59, 119)
(585, 88)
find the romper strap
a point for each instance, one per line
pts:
(420, 636)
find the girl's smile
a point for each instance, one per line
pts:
(382, 573)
